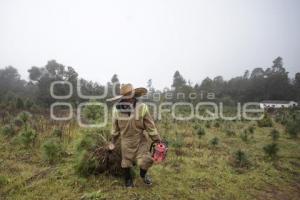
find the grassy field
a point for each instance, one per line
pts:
(199, 166)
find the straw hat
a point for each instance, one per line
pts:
(127, 91)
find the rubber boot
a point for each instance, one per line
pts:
(128, 178)
(146, 178)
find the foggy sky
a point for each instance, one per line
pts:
(140, 40)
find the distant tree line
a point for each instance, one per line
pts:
(259, 84)
(272, 83)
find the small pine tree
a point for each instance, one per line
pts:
(7, 131)
(208, 125)
(244, 136)
(271, 150)
(177, 144)
(195, 126)
(85, 165)
(251, 129)
(200, 132)
(214, 141)
(24, 116)
(85, 143)
(52, 151)
(93, 112)
(274, 134)
(28, 137)
(241, 159)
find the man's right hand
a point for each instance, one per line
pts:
(111, 146)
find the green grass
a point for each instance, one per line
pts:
(200, 172)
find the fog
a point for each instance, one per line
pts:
(140, 40)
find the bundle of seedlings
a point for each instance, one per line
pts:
(96, 158)
(108, 160)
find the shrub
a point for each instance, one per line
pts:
(7, 131)
(240, 159)
(200, 132)
(265, 122)
(214, 141)
(52, 151)
(271, 150)
(28, 137)
(274, 134)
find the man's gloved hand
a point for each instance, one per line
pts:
(111, 146)
(157, 139)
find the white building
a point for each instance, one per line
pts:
(277, 104)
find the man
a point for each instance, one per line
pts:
(131, 119)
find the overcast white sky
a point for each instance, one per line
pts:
(140, 40)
